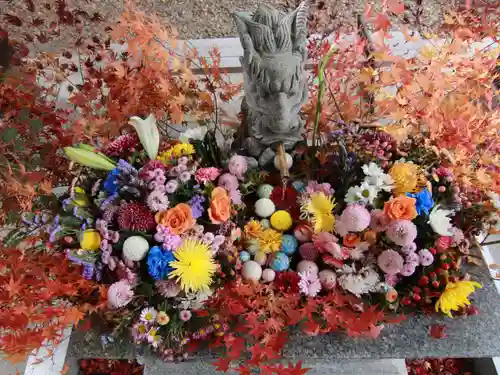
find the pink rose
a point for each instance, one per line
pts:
(238, 166)
(444, 242)
(204, 175)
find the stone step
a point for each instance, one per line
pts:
(337, 367)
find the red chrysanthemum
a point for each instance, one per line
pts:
(150, 166)
(135, 216)
(124, 143)
(288, 202)
(287, 282)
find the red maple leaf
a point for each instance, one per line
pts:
(222, 364)
(292, 370)
(437, 331)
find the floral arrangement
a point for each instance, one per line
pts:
(177, 242)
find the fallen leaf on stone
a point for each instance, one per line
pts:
(437, 331)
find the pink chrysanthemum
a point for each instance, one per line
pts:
(135, 216)
(157, 201)
(391, 262)
(120, 294)
(117, 147)
(355, 218)
(402, 232)
(150, 166)
(168, 288)
(309, 284)
(379, 222)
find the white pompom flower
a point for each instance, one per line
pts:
(135, 248)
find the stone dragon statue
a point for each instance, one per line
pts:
(275, 84)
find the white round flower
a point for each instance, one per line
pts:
(135, 248)
(264, 207)
(268, 275)
(264, 190)
(251, 271)
(440, 222)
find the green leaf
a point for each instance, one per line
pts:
(24, 114)
(36, 125)
(9, 134)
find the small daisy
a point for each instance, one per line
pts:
(148, 315)
(139, 331)
(372, 169)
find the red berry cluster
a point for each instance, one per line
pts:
(110, 367)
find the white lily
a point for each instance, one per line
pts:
(148, 133)
(440, 221)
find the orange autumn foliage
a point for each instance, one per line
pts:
(40, 295)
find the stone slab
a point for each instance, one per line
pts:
(337, 367)
(473, 336)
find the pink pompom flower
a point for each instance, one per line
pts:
(426, 258)
(355, 218)
(120, 294)
(402, 232)
(379, 221)
(391, 262)
(238, 166)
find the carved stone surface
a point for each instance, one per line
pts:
(275, 53)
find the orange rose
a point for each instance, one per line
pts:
(350, 240)
(220, 206)
(178, 219)
(401, 208)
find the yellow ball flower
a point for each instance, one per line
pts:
(194, 266)
(281, 220)
(90, 240)
(270, 241)
(407, 177)
(456, 296)
(162, 318)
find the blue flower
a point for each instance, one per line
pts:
(159, 262)
(111, 183)
(197, 206)
(424, 201)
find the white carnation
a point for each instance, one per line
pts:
(364, 281)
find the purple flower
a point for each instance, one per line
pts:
(402, 232)
(408, 269)
(413, 258)
(196, 204)
(183, 160)
(411, 248)
(171, 186)
(235, 196)
(390, 261)
(426, 257)
(157, 201)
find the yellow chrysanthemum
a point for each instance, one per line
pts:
(407, 177)
(270, 241)
(455, 296)
(181, 149)
(253, 229)
(319, 207)
(194, 266)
